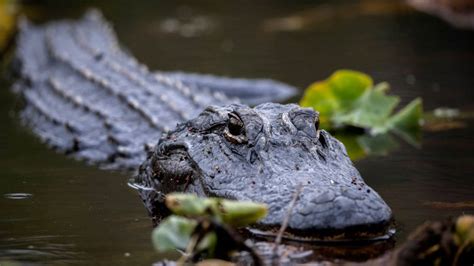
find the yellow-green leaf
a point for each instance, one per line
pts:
(349, 98)
(335, 94)
(242, 213)
(187, 204)
(234, 213)
(348, 85)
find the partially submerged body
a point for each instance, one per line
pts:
(86, 97)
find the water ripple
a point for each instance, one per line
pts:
(18, 196)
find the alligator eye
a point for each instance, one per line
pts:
(235, 131)
(235, 125)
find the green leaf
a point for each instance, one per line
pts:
(234, 213)
(347, 85)
(188, 204)
(409, 118)
(242, 213)
(348, 98)
(335, 94)
(370, 110)
(407, 122)
(173, 233)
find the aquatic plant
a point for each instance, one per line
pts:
(198, 225)
(350, 99)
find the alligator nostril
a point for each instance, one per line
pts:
(305, 121)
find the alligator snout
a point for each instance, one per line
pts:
(327, 208)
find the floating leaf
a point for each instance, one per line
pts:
(347, 85)
(336, 94)
(370, 110)
(174, 232)
(409, 118)
(348, 98)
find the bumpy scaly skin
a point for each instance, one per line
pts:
(281, 149)
(85, 96)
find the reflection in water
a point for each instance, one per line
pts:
(41, 248)
(95, 218)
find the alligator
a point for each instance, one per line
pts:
(85, 96)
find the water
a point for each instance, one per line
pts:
(55, 210)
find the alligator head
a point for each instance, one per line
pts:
(264, 154)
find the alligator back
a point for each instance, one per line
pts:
(86, 97)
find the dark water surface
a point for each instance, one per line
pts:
(55, 210)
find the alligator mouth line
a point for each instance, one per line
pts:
(360, 234)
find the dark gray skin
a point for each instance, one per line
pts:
(86, 97)
(263, 154)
